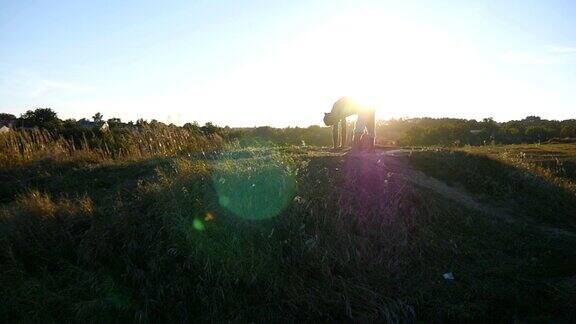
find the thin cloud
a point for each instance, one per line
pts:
(562, 49)
(44, 86)
(24, 82)
(546, 55)
(531, 58)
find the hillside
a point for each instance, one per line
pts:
(292, 234)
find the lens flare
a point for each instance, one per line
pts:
(223, 200)
(198, 224)
(256, 191)
(209, 216)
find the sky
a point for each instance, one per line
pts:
(284, 63)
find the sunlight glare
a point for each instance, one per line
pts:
(375, 58)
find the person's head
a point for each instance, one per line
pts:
(329, 119)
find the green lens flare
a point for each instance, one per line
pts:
(223, 201)
(256, 189)
(198, 224)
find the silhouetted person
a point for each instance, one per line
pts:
(343, 108)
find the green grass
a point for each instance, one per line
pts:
(537, 181)
(301, 235)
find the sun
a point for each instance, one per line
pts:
(385, 61)
(401, 68)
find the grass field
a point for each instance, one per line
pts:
(292, 234)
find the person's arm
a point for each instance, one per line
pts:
(343, 137)
(335, 135)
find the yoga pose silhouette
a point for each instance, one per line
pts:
(364, 133)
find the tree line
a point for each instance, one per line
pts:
(425, 132)
(408, 132)
(458, 132)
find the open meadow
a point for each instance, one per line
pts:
(218, 232)
(287, 161)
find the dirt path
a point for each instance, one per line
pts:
(396, 161)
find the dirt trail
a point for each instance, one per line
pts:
(396, 161)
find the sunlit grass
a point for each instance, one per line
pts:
(335, 243)
(20, 147)
(554, 162)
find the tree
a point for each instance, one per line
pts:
(41, 117)
(98, 117)
(532, 119)
(568, 131)
(193, 127)
(7, 117)
(414, 136)
(490, 126)
(209, 128)
(539, 133)
(114, 121)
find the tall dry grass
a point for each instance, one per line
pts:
(354, 243)
(555, 162)
(19, 147)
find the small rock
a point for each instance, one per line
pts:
(298, 199)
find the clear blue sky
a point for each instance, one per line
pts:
(280, 63)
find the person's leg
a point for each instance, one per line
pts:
(343, 138)
(335, 135)
(370, 127)
(358, 131)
